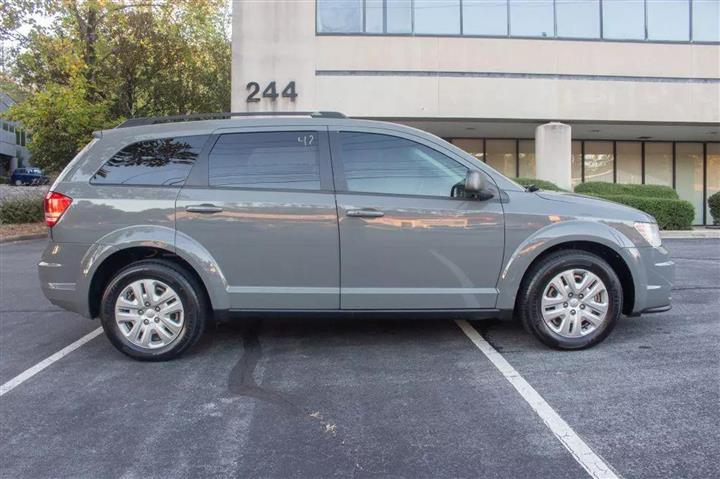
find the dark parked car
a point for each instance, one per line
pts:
(157, 228)
(28, 176)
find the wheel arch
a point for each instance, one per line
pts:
(593, 237)
(612, 257)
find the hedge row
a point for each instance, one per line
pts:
(615, 189)
(542, 184)
(27, 209)
(670, 214)
(714, 204)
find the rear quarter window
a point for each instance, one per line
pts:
(159, 162)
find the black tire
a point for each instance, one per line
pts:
(537, 278)
(188, 290)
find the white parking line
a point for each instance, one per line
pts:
(28, 373)
(589, 460)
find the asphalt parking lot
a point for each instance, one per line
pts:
(362, 398)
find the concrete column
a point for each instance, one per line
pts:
(273, 41)
(553, 154)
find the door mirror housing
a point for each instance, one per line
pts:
(474, 182)
(475, 186)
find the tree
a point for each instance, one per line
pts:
(61, 120)
(114, 59)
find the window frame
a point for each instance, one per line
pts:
(199, 177)
(339, 169)
(203, 149)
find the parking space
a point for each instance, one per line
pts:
(361, 398)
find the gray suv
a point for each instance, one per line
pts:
(163, 224)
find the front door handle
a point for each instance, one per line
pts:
(365, 213)
(206, 208)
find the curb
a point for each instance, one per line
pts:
(13, 239)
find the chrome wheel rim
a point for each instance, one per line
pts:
(149, 314)
(575, 303)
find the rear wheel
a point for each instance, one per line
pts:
(570, 300)
(18, 183)
(153, 310)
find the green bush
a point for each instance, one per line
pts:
(670, 214)
(4, 180)
(714, 204)
(542, 184)
(28, 209)
(615, 189)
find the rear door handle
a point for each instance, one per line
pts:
(204, 208)
(365, 213)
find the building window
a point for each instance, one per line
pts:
(705, 23)
(501, 155)
(653, 20)
(689, 176)
(598, 161)
(658, 163)
(385, 164)
(340, 16)
(665, 20)
(576, 163)
(22, 138)
(578, 18)
(163, 162)
(374, 16)
(399, 16)
(624, 19)
(437, 17)
(629, 162)
(713, 173)
(280, 159)
(526, 159)
(532, 18)
(475, 147)
(5, 126)
(485, 17)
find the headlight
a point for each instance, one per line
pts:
(650, 232)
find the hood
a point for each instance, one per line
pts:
(592, 207)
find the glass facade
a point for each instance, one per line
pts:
(599, 161)
(692, 168)
(628, 158)
(636, 20)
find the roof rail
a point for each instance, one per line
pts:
(154, 120)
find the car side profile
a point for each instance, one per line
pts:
(161, 225)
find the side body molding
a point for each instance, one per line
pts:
(521, 253)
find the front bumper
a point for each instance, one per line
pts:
(653, 275)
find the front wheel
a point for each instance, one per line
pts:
(153, 310)
(18, 183)
(570, 300)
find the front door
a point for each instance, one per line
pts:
(405, 242)
(261, 203)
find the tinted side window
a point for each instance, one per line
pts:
(165, 161)
(387, 164)
(278, 159)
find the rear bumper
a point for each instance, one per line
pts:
(654, 276)
(61, 276)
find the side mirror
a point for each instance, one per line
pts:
(474, 182)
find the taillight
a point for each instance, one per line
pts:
(55, 206)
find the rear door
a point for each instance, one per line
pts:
(405, 242)
(262, 204)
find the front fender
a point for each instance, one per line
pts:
(522, 255)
